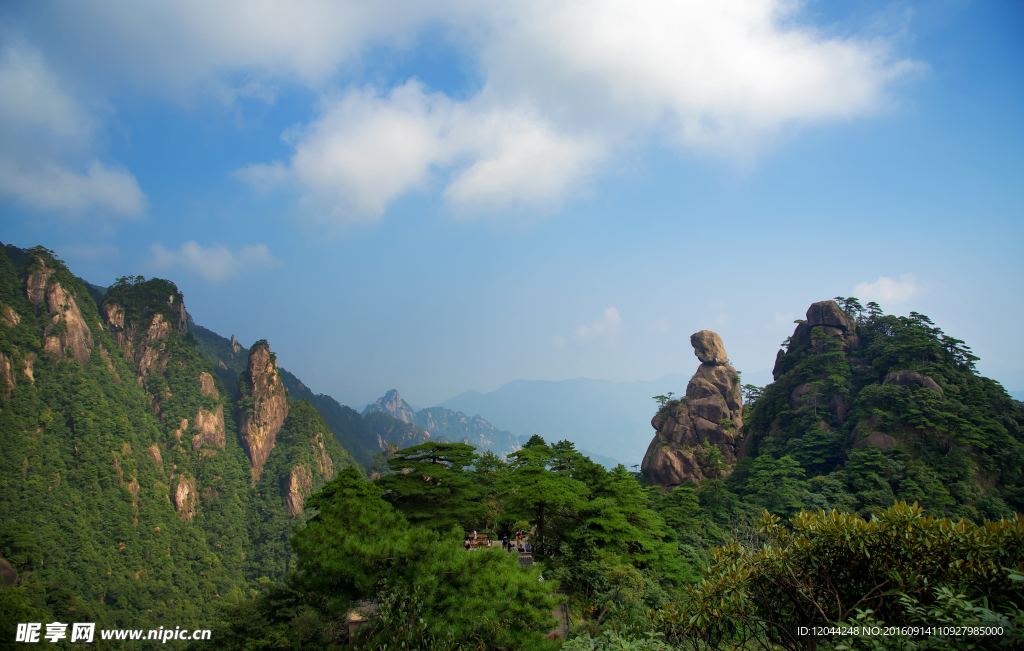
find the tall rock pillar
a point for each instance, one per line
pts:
(264, 408)
(696, 436)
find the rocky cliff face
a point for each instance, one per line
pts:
(696, 436)
(265, 409)
(299, 486)
(67, 331)
(142, 339)
(830, 331)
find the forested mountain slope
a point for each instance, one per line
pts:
(133, 490)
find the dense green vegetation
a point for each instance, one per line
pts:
(959, 452)
(84, 513)
(116, 507)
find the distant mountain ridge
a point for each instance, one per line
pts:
(441, 423)
(392, 403)
(363, 437)
(611, 420)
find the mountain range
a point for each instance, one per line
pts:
(441, 423)
(152, 470)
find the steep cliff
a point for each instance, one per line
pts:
(125, 487)
(263, 406)
(696, 435)
(304, 458)
(93, 481)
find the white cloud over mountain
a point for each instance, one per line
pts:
(565, 85)
(889, 290)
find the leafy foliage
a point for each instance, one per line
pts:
(831, 568)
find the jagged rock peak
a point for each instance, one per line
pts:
(708, 347)
(695, 437)
(265, 407)
(391, 403)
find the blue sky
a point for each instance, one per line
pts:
(442, 196)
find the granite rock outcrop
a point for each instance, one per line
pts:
(67, 332)
(826, 322)
(300, 484)
(143, 340)
(265, 407)
(696, 436)
(210, 429)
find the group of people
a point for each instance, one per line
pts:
(522, 543)
(472, 542)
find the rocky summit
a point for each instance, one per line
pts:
(696, 436)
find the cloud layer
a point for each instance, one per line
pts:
(214, 263)
(47, 159)
(565, 86)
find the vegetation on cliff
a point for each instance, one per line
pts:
(128, 495)
(901, 415)
(124, 486)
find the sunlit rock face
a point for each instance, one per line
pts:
(265, 411)
(696, 436)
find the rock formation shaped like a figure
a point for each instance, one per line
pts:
(264, 409)
(696, 436)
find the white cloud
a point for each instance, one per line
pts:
(54, 187)
(559, 342)
(566, 85)
(661, 325)
(46, 158)
(607, 327)
(365, 150)
(214, 263)
(888, 290)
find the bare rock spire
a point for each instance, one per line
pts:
(696, 436)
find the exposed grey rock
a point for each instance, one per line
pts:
(911, 378)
